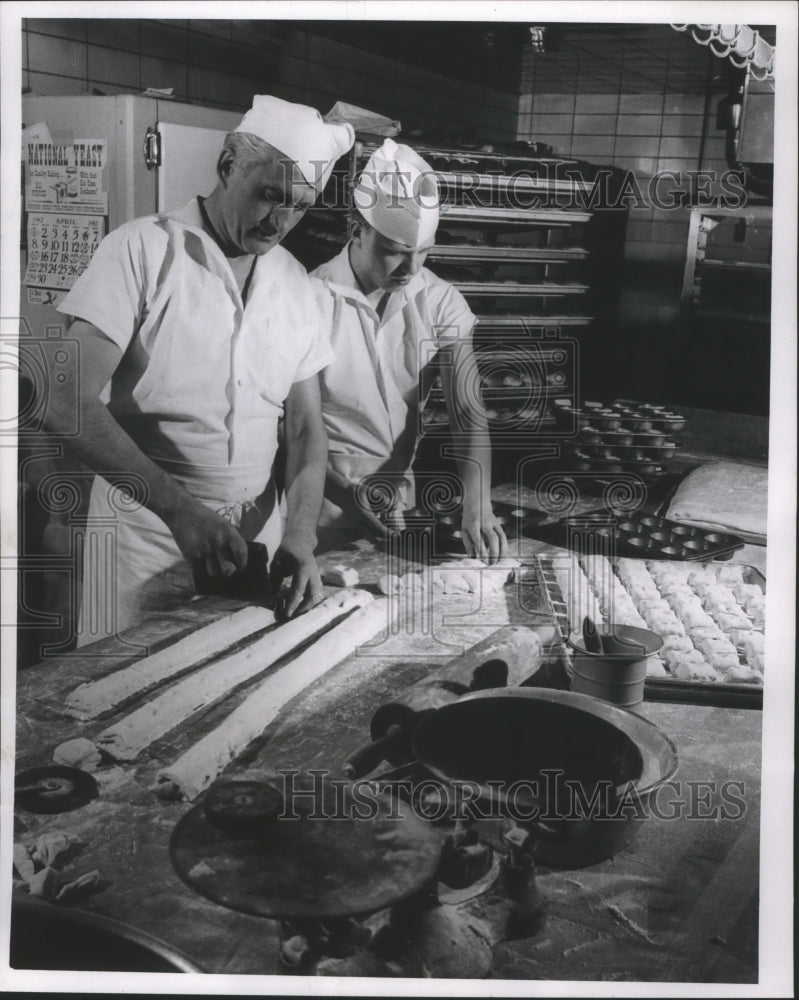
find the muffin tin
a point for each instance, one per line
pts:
(620, 437)
(639, 535)
(445, 532)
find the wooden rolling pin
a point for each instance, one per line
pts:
(503, 659)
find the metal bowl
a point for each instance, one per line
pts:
(504, 740)
(45, 936)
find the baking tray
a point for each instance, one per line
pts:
(645, 420)
(500, 288)
(638, 535)
(498, 253)
(507, 321)
(717, 693)
(445, 529)
(649, 469)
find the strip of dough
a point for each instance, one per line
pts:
(199, 766)
(101, 696)
(125, 739)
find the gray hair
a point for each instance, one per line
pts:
(246, 149)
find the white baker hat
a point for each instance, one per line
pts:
(300, 133)
(398, 195)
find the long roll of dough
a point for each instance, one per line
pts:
(99, 697)
(199, 766)
(125, 739)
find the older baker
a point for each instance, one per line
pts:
(203, 333)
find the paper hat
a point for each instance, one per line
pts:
(397, 194)
(300, 133)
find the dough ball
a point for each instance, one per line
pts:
(79, 752)
(731, 575)
(731, 620)
(676, 643)
(692, 671)
(754, 645)
(741, 674)
(655, 667)
(341, 576)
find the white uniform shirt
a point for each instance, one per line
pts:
(374, 390)
(203, 379)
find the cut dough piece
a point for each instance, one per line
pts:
(79, 752)
(50, 845)
(655, 667)
(724, 660)
(676, 643)
(125, 739)
(754, 645)
(104, 695)
(462, 576)
(341, 576)
(743, 675)
(390, 584)
(199, 766)
(473, 579)
(729, 622)
(452, 581)
(742, 591)
(689, 671)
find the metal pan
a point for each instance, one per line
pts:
(577, 771)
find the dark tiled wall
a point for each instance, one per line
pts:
(646, 134)
(222, 63)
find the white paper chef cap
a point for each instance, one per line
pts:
(397, 194)
(300, 133)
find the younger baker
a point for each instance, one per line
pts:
(394, 325)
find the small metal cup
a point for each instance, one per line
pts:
(619, 677)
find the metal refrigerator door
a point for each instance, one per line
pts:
(191, 138)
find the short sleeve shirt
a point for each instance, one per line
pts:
(203, 377)
(384, 367)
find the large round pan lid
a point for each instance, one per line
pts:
(328, 850)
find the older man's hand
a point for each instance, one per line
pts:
(294, 558)
(207, 540)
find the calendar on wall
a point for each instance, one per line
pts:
(60, 248)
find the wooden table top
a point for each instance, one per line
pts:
(679, 904)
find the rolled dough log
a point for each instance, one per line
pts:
(104, 695)
(125, 739)
(199, 766)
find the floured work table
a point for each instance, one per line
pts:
(679, 904)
